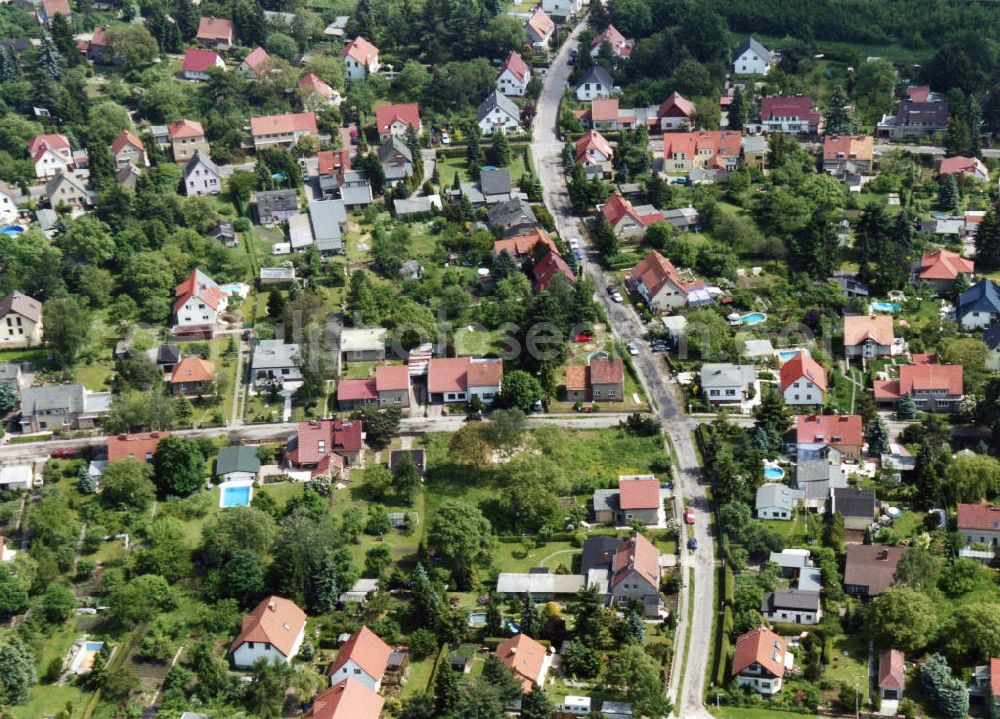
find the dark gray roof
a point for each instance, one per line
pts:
(495, 182)
(854, 502)
(795, 599)
(984, 296)
(222, 230)
(751, 44)
(598, 552)
(392, 147)
(238, 458)
(168, 354)
(597, 74)
(277, 201)
(21, 304)
(931, 114)
(991, 335)
(327, 218)
(512, 213)
(67, 397)
(199, 159)
(496, 99)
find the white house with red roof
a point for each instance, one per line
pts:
(216, 32)
(657, 281)
(514, 76)
(316, 441)
(676, 113)
(964, 167)
(942, 267)
(539, 29)
(760, 660)
(282, 130)
(625, 219)
(594, 154)
(360, 59)
(198, 305)
(127, 149)
(317, 93)
(803, 380)
(273, 630)
(933, 387)
(459, 379)
(363, 657)
(527, 659)
(636, 499)
(394, 120)
(635, 573)
(980, 524)
(254, 64)
(50, 155)
(621, 47)
(197, 62)
(791, 114)
(347, 699)
(843, 432)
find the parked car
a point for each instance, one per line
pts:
(659, 346)
(445, 137)
(632, 349)
(64, 452)
(474, 417)
(617, 297)
(584, 337)
(574, 243)
(692, 544)
(689, 515)
(611, 289)
(586, 408)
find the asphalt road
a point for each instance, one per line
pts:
(546, 149)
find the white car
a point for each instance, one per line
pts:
(574, 243)
(632, 349)
(617, 297)
(445, 138)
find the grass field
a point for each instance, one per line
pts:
(724, 712)
(448, 166)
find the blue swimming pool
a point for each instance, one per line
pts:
(235, 496)
(774, 473)
(886, 306)
(753, 318)
(786, 355)
(12, 230)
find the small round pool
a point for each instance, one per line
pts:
(753, 318)
(12, 230)
(774, 473)
(886, 307)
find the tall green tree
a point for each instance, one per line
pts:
(988, 240)
(67, 329)
(325, 587)
(178, 466)
(838, 117)
(17, 673)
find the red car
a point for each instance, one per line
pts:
(689, 515)
(583, 337)
(587, 409)
(64, 452)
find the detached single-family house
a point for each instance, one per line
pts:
(61, 407)
(396, 160)
(20, 321)
(274, 362)
(237, 462)
(193, 376)
(843, 432)
(596, 84)
(282, 130)
(514, 76)
(316, 93)
(625, 219)
(347, 699)
(752, 58)
(50, 155)
(941, 268)
(562, 9)
(392, 385)
(791, 114)
(635, 574)
(8, 204)
(923, 113)
(979, 305)
(141, 446)
(754, 149)
(760, 660)
(363, 657)
(273, 630)
(522, 247)
(216, 32)
(360, 59)
(396, 120)
(803, 380)
(539, 29)
(328, 219)
(621, 48)
(858, 507)
(549, 266)
(724, 382)
(964, 167)
(870, 569)
(48, 9)
(353, 394)
(891, 674)
(594, 154)
(127, 149)
(527, 659)
(980, 524)
(276, 206)
(197, 62)
(70, 190)
(676, 113)
(637, 498)
(600, 380)
(776, 501)
(187, 137)
(362, 344)
(199, 304)
(326, 445)
(793, 606)
(868, 336)
(658, 283)
(498, 113)
(255, 64)
(201, 176)
(933, 387)
(515, 217)
(847, 157)
(460, 379)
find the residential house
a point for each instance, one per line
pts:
(273, 630)
(300, 237)
(362, 657)
(796, 565)
(891, 674)
(702, 154)
(754, 149)
(515, 217)
(255, 64)
(396, 120)
(193, 376)
(360, 59)
(317, 442)
(396, 160)
(790, 114)
(276, 206)
(347, 699)
(70, 190)
(279, 275)
(274, 362)
(17, 476)
(237, 462)
(625, 219)
(197, 63)
(793, 606)
(216, 32)
(527, 659)
(621, 48)
(514, 76)
(58, 407)
(187, 137)
(201, 176)
(127, 149)
(676, 113)
(128, 177)
(328, 219)
(858, 507)
(522, 247)
(353, 394)
(562, 10)
(362, 344)
(282, 130)
(97, 49)
(849, 157)
(978, 306)
(979, 524)
(498, 113)
(842, 432)
(923, 113)
(636, 499)
(495, 185)
(392, 385)
(868, 336)
(941, 268)
(48, 9)
(11, 375)
(165, 357)
(539, 28)
(596, 84)
(414, 205)
(317, 94)
(725, 383)
(933, 387)
(870, 569)
(50, 155)
(600, 380)
(658, 283)
(8, 204)
(964, 167)
(330, 168)
(199, 304)
(760, 660)
(635, 574)
(803, 380)
(20, 321)
(752, 58)
(460, 379)
(594, 154)
(541, 584)
(817, 471)
(549, 266)
(776, 501)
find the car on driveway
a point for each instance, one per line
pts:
(632, 349)
(659, 346)
(617, 297)
(474, 417)
(64, 452)
(584, 337)
(445, 138)
(689, 515)
(611, 289)
(692, 544)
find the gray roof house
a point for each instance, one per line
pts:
(274, 362)
(816, 473)
(396, 160)
(237, 462)
(726, 382)
(329, 220)
(417, 205)
(224, 233)
(495, 185)
(795, 606)
(776, 501)
(61, 406)
(595, 84)
(274, 206)
(498, 113)
(201, 176)
(10, 373)
(856, 506)
(356, 189)
(514, 216)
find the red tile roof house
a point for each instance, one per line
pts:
(635, 570)
(255, 63)
(97, 48)
(636, 499)
(803, 380)
(356, 393)
(48, 9)
(539, 28)
(128, 149)
(193, 376)
(317, 442)
(760, 660)
(986, 681)
(621, 47)
(50, 155)
(868, 336)
(601, 380)
(360, 59)
(316, 92)
(347, 699)
(550, 266)
(187, 137)
(197, 63)
(627, 220)
(514, 76)
(676, 114)
(282, 130)
(273, 630)
(525, 657)
(942, 267)
(795, 114)
(594, 154)
(605, 115)
(363, 657)
(979, 524)
(891, 674)
(656, 280)
(199, 304)
(963, 167)
(392, 385)
(934, 387)
(522, 247)
(216, 32)
(395, 120)
(841, 431)
(460, 379)
(140, 446)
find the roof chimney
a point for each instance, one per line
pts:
(270, 605)
(883, 555)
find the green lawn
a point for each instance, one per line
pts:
(724, 712)
(419, 676)
(448, 166)
(35, 356)
(512, 557)
(95, 377)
